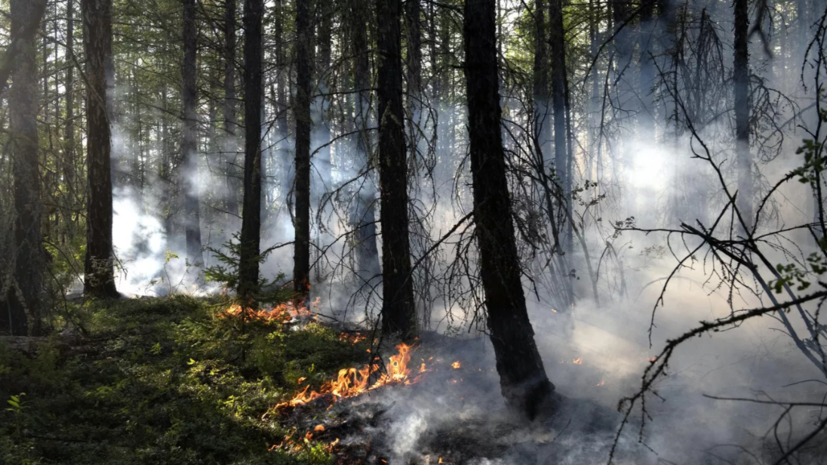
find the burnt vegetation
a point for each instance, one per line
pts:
(413, 231)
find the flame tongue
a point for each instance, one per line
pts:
(351, 382)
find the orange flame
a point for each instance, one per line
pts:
(578, 361)
(283, 313)
(351, 382)
(456, 365)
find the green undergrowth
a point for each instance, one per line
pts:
(162, 381)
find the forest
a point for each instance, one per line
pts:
(413, 232)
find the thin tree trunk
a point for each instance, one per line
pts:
(22, 311)
(97, 37)
(253, 93)
(740, 82)
(189, 143)
(304, 79)
(398, 312)
(69, 142)
(541, 83)
(367, 253)
(281, 100)
(523, 379)
(647, 72)
(230, 122)
(414, 68)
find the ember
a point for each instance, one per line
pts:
(456, 365)
(578, 361)
(352, 382)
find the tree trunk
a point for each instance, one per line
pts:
(541, 83)
(22, 309)
(647, 72)
(740, 80)
(304, 79)
(281, 101)
(189, 143)
(230, 121)
(367, 253)
(398, 312)
(69, 142)
(97, 37)
(557, 41)
(523, 379)
(414, 77)
(253, 93)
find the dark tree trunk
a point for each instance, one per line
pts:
(281, 99)
(322, 102)
(69, 142)
(253, 93)
(398, 312)
(189, 143)
(367, 253)
(23, 299)
(25, 33)
(97, 37)
(557, 41)
(304, 80)
(523, 379)
(230, 122)
(541, 84)
(740, 80)
(414, 77)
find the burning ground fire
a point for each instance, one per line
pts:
(283, 313)
(352, 382)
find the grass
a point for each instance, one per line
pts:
(163, 381)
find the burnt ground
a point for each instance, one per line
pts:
(457, 416)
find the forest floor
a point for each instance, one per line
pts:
(163, 381)
(185, 381)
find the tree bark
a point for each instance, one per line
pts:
(97, 37)
(22, 309)
(69, 142)
(189, 143)
(740, 80)
(304, 79)
(253, 93)
(557, 41)
(541, 83)
(230, 120)
(398, 312)
(414, 68)
(523, 379)
(367, 253)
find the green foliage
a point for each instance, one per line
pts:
(167, 381)
(227, 273)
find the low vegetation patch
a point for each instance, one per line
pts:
(163, 381)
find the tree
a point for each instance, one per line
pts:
(367, 253)
(740, 82)
(189, 144)
(69, 130)
(97, 39)
(523, 379)
(398, 312)
(304, 80)
(557, 41)
(230, 122)
(253, 93)
(540, 79)
(23, 292)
